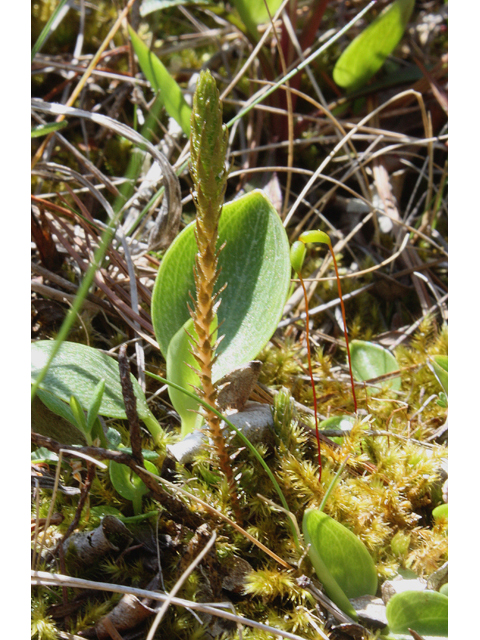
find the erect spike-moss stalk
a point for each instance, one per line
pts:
(208, 148)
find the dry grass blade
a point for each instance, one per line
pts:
(231, 522)
(40, 578)
(178, 585)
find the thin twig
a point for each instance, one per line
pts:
(81, 503)
(130, 402)
(177, 508)
(225, 518)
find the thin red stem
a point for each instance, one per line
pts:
(345, 328)
(307, 332)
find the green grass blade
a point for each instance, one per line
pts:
(45, 129)
(161, 81)
(42, 37)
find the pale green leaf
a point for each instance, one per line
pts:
(426, 612)
(92, 412)
(370, 361)
(128, 484)
(77, 370)
(59, 407)
(179, 370)
(79, 415)
(365, 55)
(341, 560)
(440, 512)
(254, 264)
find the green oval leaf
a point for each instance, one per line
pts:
(370, 361)
(426, 612)
(368, 51)
(257, 11)
(161, 80)
(255, 265)
(77, 369)
(341, 560)
(128, 484)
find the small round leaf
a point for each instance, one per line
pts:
(426, 612)
(341, 560)
(370, 361)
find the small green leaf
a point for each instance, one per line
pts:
(151, 456)
(100, 511)
(92, 412)
(365, 55)
(256, 10)
(442, 400)
(400, 543)
(440, 369)
(426, 612)
(114, 438)
(371, 361)
(341, 560)
(128, 484)
(80, 421)
(444, 589)
(255, 265)
(161, 80)
(77, 370)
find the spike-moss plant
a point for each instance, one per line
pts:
(208, 148)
